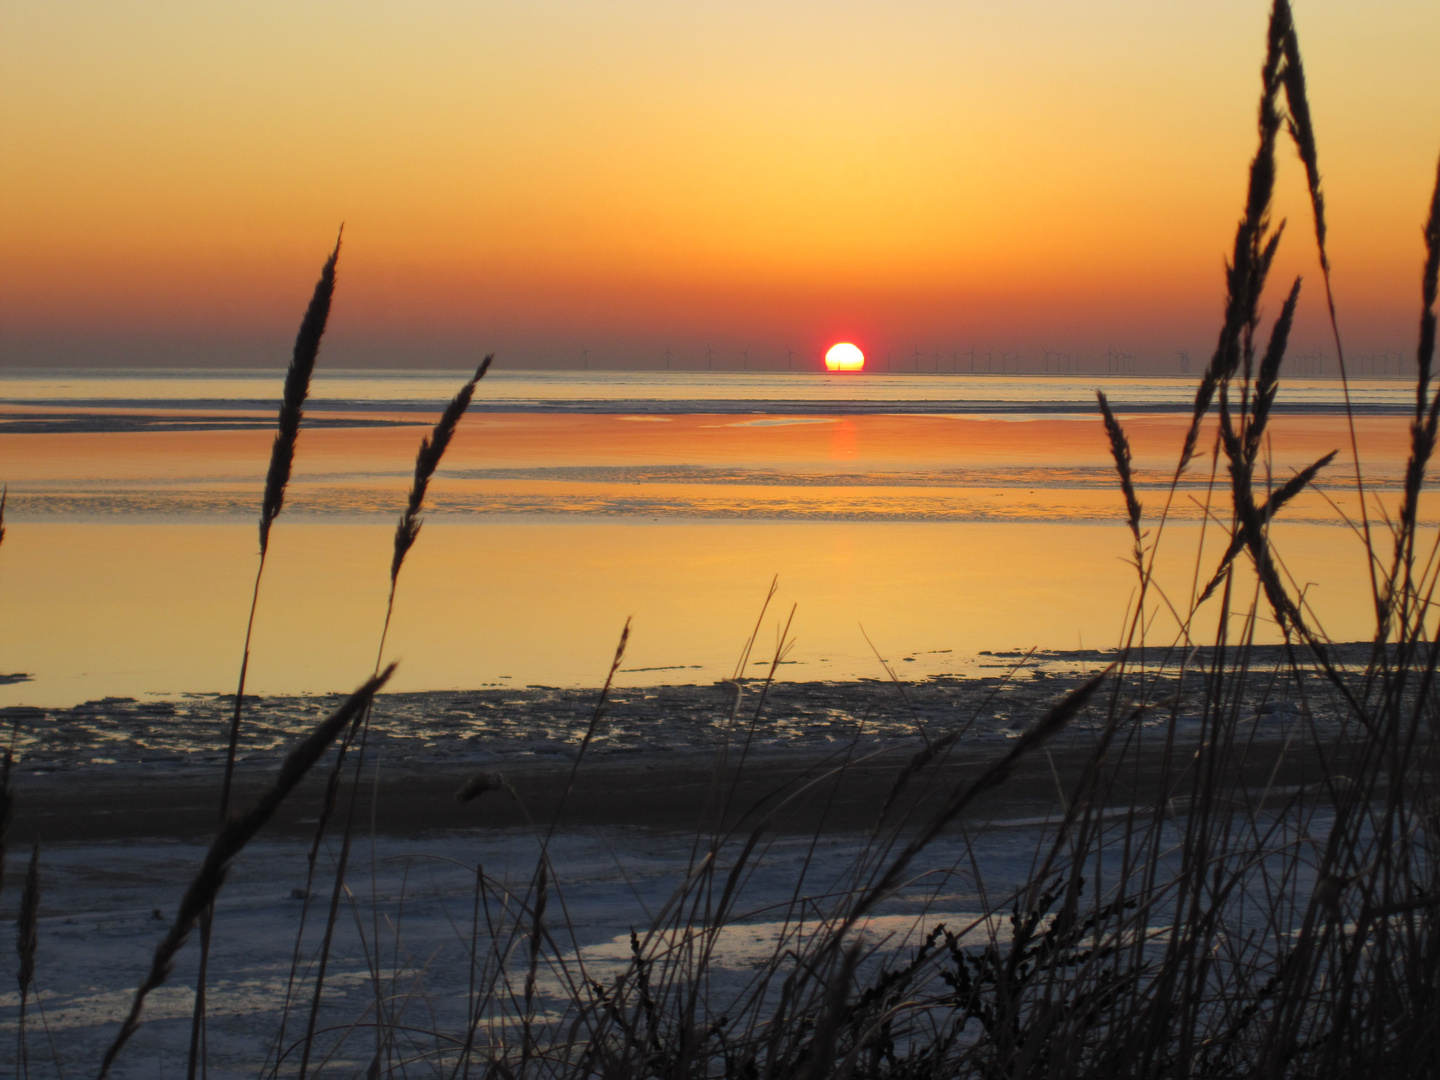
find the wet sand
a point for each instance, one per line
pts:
(791, 792)
(802, 755)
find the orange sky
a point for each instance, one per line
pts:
(641, 175)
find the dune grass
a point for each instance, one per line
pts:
(1185, 914)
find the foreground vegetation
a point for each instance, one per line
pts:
(1201, 923)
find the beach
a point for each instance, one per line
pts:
(808, 771)
(124, 768)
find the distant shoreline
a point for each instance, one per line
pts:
(121, 416)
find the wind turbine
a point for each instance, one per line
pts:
(745, 357)
(709, 357)
(915, 360)
(584, 357)
(789, 359)
(667, 357)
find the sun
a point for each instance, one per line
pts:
(844, 357)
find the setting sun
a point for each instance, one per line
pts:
(844, 357)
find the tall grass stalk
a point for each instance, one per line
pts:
(234, 833)
(277, 479)
(427, 461)
(1256, 242)
(1427, 417)
(27, 942)
(540, 882)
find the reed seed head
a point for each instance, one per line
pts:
(1255, 244)
(297, 389)
(1299, 124)
(1120, 451)
(1425, 354)
(1267, 382)
(432, 449)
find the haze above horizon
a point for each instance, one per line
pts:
(569, 184)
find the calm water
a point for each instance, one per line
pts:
(668, 391)
(940, 515)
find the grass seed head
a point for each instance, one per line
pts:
(1120, 451)
(432, 449)
(297, 389)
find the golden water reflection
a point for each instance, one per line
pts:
(129, 556)
(871, 467)
(131, 609)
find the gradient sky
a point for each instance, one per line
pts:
(531, 176)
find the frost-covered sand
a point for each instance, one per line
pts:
(106, 906)
(123, 798)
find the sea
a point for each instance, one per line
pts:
(910, 555)
(908, 523)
